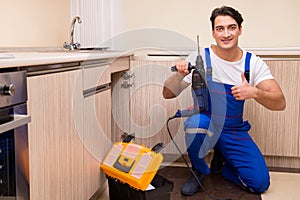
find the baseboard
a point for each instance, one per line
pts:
(274, 163)
(99, 192)
(283, 162)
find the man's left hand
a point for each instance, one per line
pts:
(244, 90)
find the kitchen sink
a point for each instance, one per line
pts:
(80, 50)
(94, 48)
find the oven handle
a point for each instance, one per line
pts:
(19, 120)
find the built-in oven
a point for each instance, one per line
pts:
(14, 164)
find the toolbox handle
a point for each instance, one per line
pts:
(158, 147)
(127, 137)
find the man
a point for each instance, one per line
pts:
(236, 76)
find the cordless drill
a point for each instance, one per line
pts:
(199, 87)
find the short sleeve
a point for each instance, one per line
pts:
(260, 71)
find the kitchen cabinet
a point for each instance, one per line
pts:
(70, 132)
(96, 124)
(143, 110)
(55, 147)
(278, 133)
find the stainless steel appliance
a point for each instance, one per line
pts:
(14, 164)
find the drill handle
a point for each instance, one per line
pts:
(190, 67)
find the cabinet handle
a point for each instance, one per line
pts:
(48, 70)
(95, 90)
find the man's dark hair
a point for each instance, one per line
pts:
(226, 11)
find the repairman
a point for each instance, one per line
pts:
(233, 75)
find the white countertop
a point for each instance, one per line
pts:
(283, 51)
(28, 57)
(31, 58)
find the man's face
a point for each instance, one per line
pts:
(226, 32)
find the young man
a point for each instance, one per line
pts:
(235, 76)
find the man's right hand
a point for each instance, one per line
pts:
(182, 67)
(175, 83)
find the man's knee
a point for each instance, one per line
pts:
(259, 184)
(197, 121)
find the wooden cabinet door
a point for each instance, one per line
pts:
(96, 140)
(96, 137)
(277, 133)
(142, 110)
(55, 147)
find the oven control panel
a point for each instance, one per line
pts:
(7, 89)
(13, 88)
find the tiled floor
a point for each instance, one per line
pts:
(283, 186)
(214, 184)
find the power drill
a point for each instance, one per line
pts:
(199, 87)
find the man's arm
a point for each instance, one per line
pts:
(174, 85)
(268, 93)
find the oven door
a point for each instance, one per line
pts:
(14, 159)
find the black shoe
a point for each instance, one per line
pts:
(191, 186)
(217, 163)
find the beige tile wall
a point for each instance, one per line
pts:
(33, 23)
(267, 23)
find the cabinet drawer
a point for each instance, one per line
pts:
(95, 75)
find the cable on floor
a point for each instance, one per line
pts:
(186, 163)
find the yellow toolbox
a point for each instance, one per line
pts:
(131, 163)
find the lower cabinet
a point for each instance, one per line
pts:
(56, 151)
(69, 135)
(277, 133)
(96, 140)
(144, 111)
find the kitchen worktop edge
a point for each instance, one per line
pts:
(23, 59)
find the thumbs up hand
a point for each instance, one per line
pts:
(244, 90)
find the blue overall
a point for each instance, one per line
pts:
(222, 127)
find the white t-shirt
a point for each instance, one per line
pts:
(230, 72)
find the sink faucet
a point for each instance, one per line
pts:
(72, 45)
